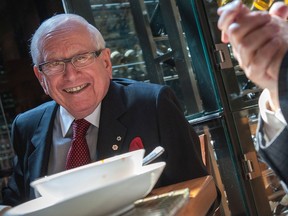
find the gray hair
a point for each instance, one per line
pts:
(52, 23)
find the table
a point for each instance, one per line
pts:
(202, 195)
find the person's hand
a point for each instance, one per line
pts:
(254, 39)
(228, 15)
(259, 41)
(279, 9)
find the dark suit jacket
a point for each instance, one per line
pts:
(276, 154)
(130, 109)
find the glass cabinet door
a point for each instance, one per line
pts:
(239, 98)
(146, 47)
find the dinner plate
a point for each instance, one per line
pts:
(81, 179)
(98, 201)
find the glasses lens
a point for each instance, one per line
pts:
(53, 67)
(78, 61)
(83, 60)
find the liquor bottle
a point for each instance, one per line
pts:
(261, 5)
(252, 4)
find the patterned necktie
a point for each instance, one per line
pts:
(78, 153)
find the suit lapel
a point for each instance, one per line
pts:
(41, 140)
(111, 131)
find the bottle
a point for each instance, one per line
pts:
(248, 3)
(261, 5)
(223, 2)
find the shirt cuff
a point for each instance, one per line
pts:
(274, 122)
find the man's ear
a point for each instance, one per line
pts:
(107, 61)
(40, 78)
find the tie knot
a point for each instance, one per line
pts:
(80, 127)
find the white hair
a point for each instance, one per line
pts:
(36, 46)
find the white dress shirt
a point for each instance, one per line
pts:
(274, 122)
(62, 136)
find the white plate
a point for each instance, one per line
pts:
(98, 201)
(81, 179)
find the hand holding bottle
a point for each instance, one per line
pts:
(259, 41)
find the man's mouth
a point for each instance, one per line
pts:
(76, 89)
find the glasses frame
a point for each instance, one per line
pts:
(96, 54)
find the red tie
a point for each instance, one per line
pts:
(78, 153)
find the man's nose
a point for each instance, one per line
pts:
(70, 70)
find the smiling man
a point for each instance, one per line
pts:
(73, 67)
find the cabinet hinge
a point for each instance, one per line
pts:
(251, 166)
(222, 55)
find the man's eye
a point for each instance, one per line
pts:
(82, 58)
(53, 64)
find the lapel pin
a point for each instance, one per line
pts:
(115, 147)
(119, 138)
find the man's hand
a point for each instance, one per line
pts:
(259, 41)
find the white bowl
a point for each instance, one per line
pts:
(110, 199)
(95, 175)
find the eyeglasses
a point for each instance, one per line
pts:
(78, 61)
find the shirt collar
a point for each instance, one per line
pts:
(266, 112)
(66, 119)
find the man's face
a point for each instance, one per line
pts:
(78, 90)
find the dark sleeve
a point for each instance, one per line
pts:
(276, 154)
(181, 143)
(14, 193)
(283, 86)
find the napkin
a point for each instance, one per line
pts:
(136, 144)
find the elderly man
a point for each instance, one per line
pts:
(74, 69)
